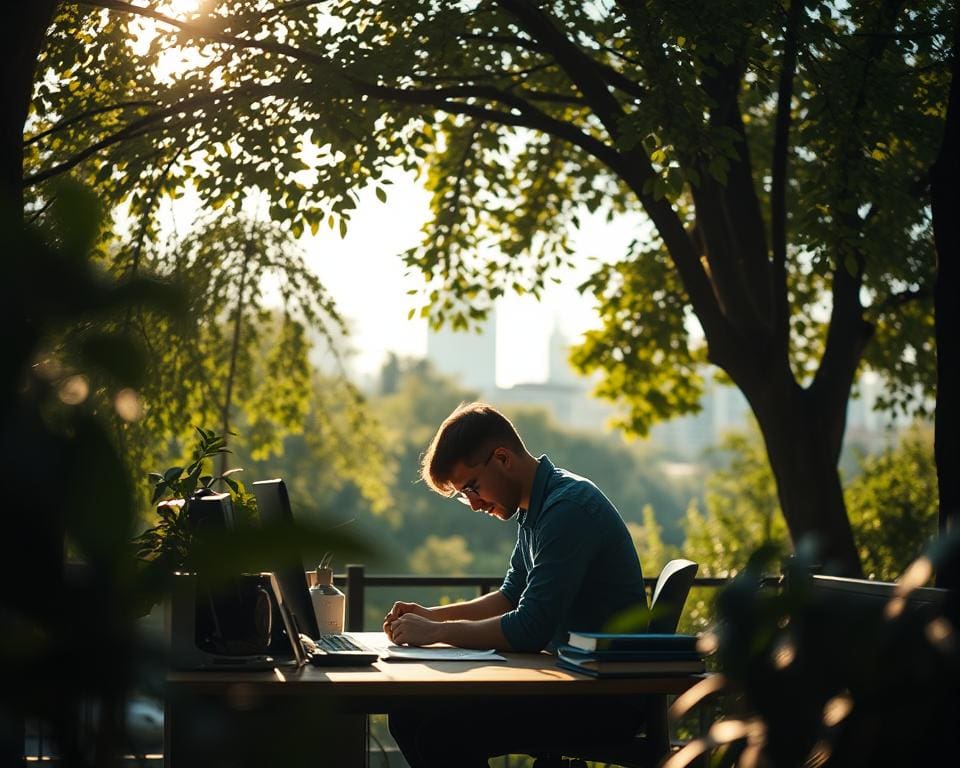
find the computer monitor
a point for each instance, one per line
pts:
(273, 501)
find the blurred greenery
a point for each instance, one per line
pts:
(70, 648)
(893, 504)
(827, 678)
(891, 498)
(419, 532)
(67, 638)
(233, 363)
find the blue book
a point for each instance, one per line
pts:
(575, 654)
(608, 641)
(596, 668)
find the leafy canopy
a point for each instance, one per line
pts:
(525, 117)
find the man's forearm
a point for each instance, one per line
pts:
(485, 633)
(493, 604)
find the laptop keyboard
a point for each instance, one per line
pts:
(335, 643)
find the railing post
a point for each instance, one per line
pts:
(355, 589)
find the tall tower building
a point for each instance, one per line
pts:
(560, 370)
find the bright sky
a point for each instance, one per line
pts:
(365, 275)
(366, 278)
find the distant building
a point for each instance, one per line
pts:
(470, 357)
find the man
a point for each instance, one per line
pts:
(574, 567)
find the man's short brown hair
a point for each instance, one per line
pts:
(468, 434)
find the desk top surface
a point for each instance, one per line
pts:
(522, 674)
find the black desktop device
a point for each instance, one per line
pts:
(273, 502)
(221, 626)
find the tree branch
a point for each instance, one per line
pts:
(580, 68)
(208, 31)
(525, 115)
(847, 336)
(901, 299)
(138, 128)
(633, 166)
(848, 332)
(466, 80)
(59, 126)
(730, 219)
(778, 187)
(617, 79)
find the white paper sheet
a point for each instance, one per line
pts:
(438, 653)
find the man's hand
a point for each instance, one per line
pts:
(413, 629)
(401, 609)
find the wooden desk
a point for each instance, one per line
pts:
(318, 716)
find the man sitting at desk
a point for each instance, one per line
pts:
(574, 567)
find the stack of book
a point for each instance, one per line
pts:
(630, 655)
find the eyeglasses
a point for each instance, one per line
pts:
(470, 489)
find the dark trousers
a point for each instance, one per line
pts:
(467, 734)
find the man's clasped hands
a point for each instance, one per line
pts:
(411, 624)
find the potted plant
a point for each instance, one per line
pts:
(167, 547)
(204, 614)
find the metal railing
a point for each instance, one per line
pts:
(355, 582)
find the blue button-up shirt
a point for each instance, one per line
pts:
(574, 566)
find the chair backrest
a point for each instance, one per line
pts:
(670, 595)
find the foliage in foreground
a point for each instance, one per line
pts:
(830, 681)
(68, 641)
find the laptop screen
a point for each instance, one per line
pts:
(274, 505)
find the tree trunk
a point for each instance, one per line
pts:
(945, 175)
(800, 437)
(21, 38)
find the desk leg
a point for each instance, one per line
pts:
(235, 732)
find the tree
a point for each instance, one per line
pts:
(23, 38)
(891, 499)
(774, 152)
(231, 361)
(946, 228)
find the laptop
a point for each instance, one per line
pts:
(290, 577)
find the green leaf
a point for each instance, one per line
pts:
(172, 474)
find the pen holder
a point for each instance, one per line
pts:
(329, 603)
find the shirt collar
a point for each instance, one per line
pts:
(538, 492)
